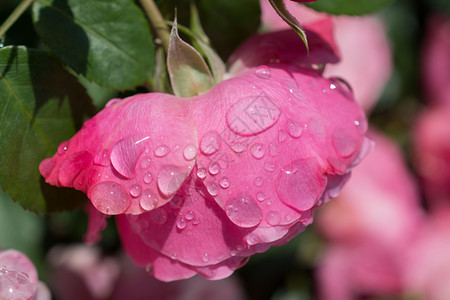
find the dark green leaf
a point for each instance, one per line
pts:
(188, 72)
(41, 105)
(109, 42)
(281, 10)
(349, 7)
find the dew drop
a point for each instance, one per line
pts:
(273, 218)
(146, 162)
(238, 147)
(189, 215)
(212, 188)
(201, 173)
(294, 129)
(343, 143)
(162, 150)
(135, 191)
(205, 257)
(102, 158)
(258, 181)
(282, 136)
(258, 151)
(260, 196)
(170, 178)
(269, 166)
(148, 200)
(301, 183)
(210, 143)
(196, 221)
(224, 182)
(214, 168)
(189, 152)
(181, 223)
(110, 198)
(361, 124)
(252, 115)
(62, 148)
(263, 72)
(125, 154)
(147, 178)
(243, 211)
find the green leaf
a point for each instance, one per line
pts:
(281, 10)
(349, 7)
(109, 42)
(188, 72)
(41, 105)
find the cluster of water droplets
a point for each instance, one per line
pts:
(15, 285)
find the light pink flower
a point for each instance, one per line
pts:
(432, 155)
(199, 184)
(19, 278)
(366, 59)
(436, 60)
(370, 227)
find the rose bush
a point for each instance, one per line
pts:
(199, 184)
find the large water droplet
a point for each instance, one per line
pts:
(301, 183)
(210, 143)
(258, 151)
(170, 179)
(125, 154)
(224, 182)
(135, 190)
(214, 168)
(201, 173)
(212, 188)
(181, 223)
(162, 151)
(263, 72)
(343, 143)
(110, 198)
(147, 178)
(189, 152)
(148, 200)
(252, 115)
(62, 148)
(294, 129)
(273, 218)
(243, 211)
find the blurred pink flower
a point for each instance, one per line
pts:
(370, 227)
(80, 272)
(199, 184)
(432, 155)
(436, 60)
(19, 278)
(366, 59)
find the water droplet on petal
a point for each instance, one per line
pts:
(224, 182)
(102, 158)
(196, 221)
(210, 143)
(170, 179)
(343, 143)
(212, 188)
(243, 211)
(258, 181)
(147, 178)
(205, 257)
(189, 215)
(260, 196)
(252, 115)
(110, 198)
(125, 154)
(181, 223)
(361, 124)
(189, 152)
(146, 162)
(162, 151)
(332, 86)
(238, 147)
(214, 168)
(201, 173)
(269, 166)
(263, 72)
(301, 183)
(135, 190)
(294, 129)
(148, 200)
(258, 151)
(62, 148)
(282, 136)
(273, 218)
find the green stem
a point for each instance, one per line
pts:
(157, 22)
(14, 16)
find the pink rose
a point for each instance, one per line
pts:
(370, 227)
(199, 184)
(19, 278)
